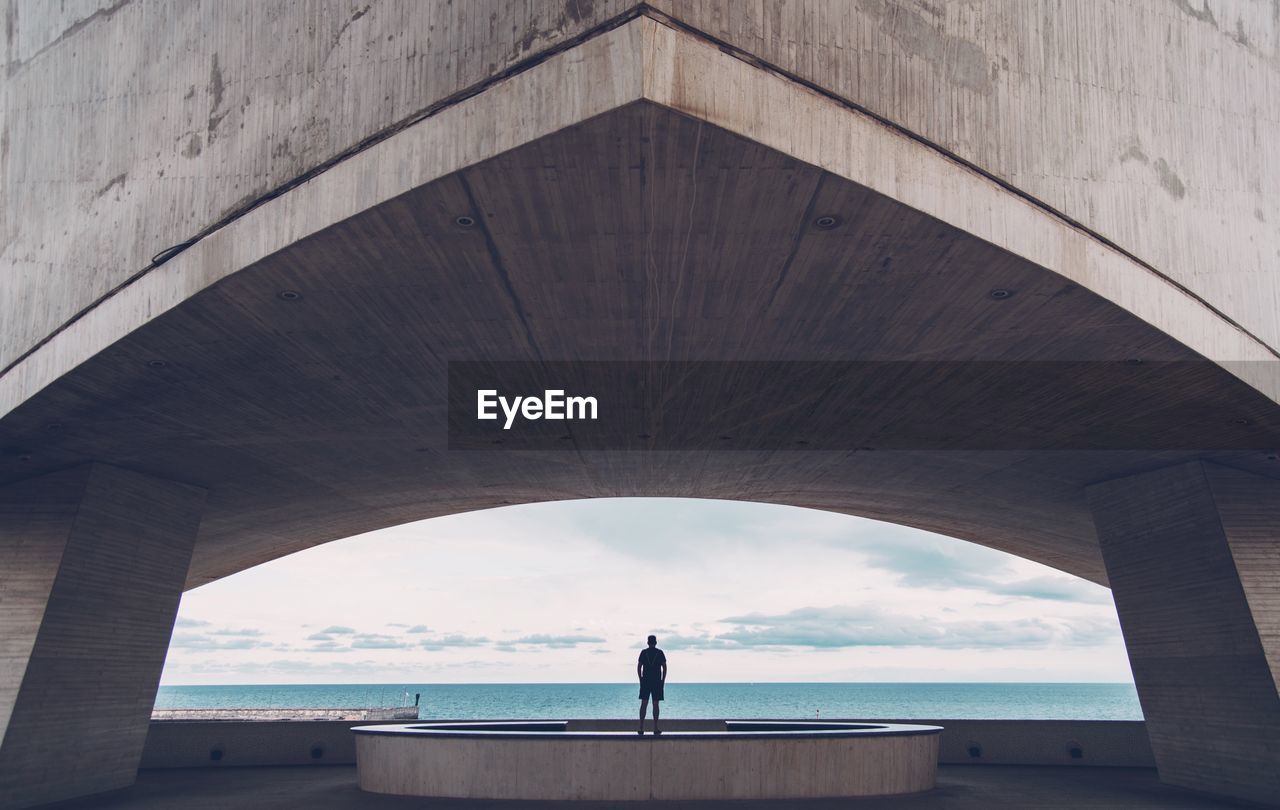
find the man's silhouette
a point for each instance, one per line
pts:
(652, 671)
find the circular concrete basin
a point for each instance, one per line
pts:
(744, 760)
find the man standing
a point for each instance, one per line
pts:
(652, 671)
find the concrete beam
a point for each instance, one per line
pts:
(642, 60)
(1192, 555)
(92, 562)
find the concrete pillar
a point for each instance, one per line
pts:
(1193, 554)
(92, 564)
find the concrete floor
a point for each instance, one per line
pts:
(959, 788)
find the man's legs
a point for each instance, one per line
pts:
(656, 703)
(644, 707)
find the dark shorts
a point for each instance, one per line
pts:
(651, 690)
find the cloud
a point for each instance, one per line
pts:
(329, 647)
(377, 641)
(339, 630)
(419, 628)
(867, 626)
(452, 640)
(185, 622)
(200, 641)
(555, 642)
(227, 631)
(923, 561)
(1057, 588)
(943, 563)
(396, 624)
(320, 637)
(705, 641)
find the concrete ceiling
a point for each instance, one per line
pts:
(640, 234)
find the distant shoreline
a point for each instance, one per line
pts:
(739, 700)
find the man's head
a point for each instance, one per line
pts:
(653, 641)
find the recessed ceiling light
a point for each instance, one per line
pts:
(157, 363)
(826, 222)
(290, 295)
(1000, 293)
(465, 222)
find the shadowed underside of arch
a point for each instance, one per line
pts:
(642, 196)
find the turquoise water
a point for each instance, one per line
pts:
(904, 701)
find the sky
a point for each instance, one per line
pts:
(566, 592)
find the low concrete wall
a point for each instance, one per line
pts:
(186, 744)
(789, 763)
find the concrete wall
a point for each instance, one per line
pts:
(624, 767)
(130, 127)
(184, 744)
(1151, 122)
(171, 116)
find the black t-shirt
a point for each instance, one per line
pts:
(651, 661)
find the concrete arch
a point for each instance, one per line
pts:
(642, 91)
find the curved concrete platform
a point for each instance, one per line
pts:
(747, 760)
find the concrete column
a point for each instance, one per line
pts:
(92, 564)
(1193, 554)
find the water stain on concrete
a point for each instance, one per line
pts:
(118, 180)
(1200, 11)
(578, 10)
(963, 61)
(217, 88)
(1169, 180)
(342, 31)
(1134, 152)
(216, 85)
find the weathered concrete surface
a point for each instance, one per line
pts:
(1150, 122)
(130, 127)
(178, 114)
(93, 564)
(1192, 554)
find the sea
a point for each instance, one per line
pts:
(900, 701)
